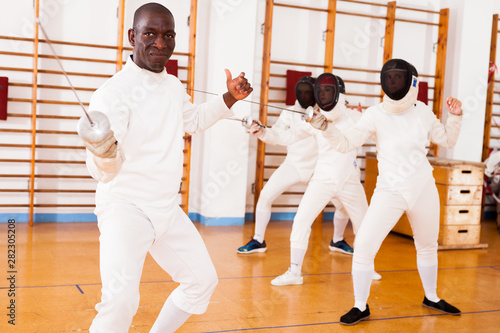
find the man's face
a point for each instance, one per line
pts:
(305, 95)
(153, 39)
(395, 80)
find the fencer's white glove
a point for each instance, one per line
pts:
(319, 121)
(257, 129)
(106, 148)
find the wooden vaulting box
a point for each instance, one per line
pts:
(460, 188)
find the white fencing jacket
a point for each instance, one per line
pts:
(149, 114)
(336, 166)
(401, 141)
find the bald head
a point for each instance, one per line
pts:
(152, 36)
(148, 8)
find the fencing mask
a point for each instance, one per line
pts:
(304, 92)
(399, 80)
(397, 77)
(326, 91)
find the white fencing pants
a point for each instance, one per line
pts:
(283, 178)
(340, 221)
(386, 207)
(127, 234)
(318, 194)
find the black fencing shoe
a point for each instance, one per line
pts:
(355, 316)
(442, 306)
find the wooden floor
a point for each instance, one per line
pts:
(57, 284)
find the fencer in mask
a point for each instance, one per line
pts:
(304, 92)
(297, 168)
(329, 92)
(336, 175)
(401, 127)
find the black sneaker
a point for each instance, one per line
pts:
(355, 316)
(253, 246)
(442, 306)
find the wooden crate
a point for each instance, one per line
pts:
(460, 215)
(448, 172)
(459, 235)
(460, 188)
(460, 194)
(452, 216)
(457, 172)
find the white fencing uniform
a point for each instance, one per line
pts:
(404, 184)
(136, 205)
(298, 167)
(336, 176)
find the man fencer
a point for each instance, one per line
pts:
(139, 169)
(401, 127)
(297, 168)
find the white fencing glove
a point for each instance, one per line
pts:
(106, 148)
(257, 129)
(319, 121)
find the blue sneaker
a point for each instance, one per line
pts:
(341, 246)
(253, 246)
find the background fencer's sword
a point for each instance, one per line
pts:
(246, 101)
(92, 129)
(246, 121)
(306, 114)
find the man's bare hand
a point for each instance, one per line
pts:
(237, 88)
(454, 106)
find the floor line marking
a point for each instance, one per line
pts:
(336, 322)
(79, 288)
(261, 277)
